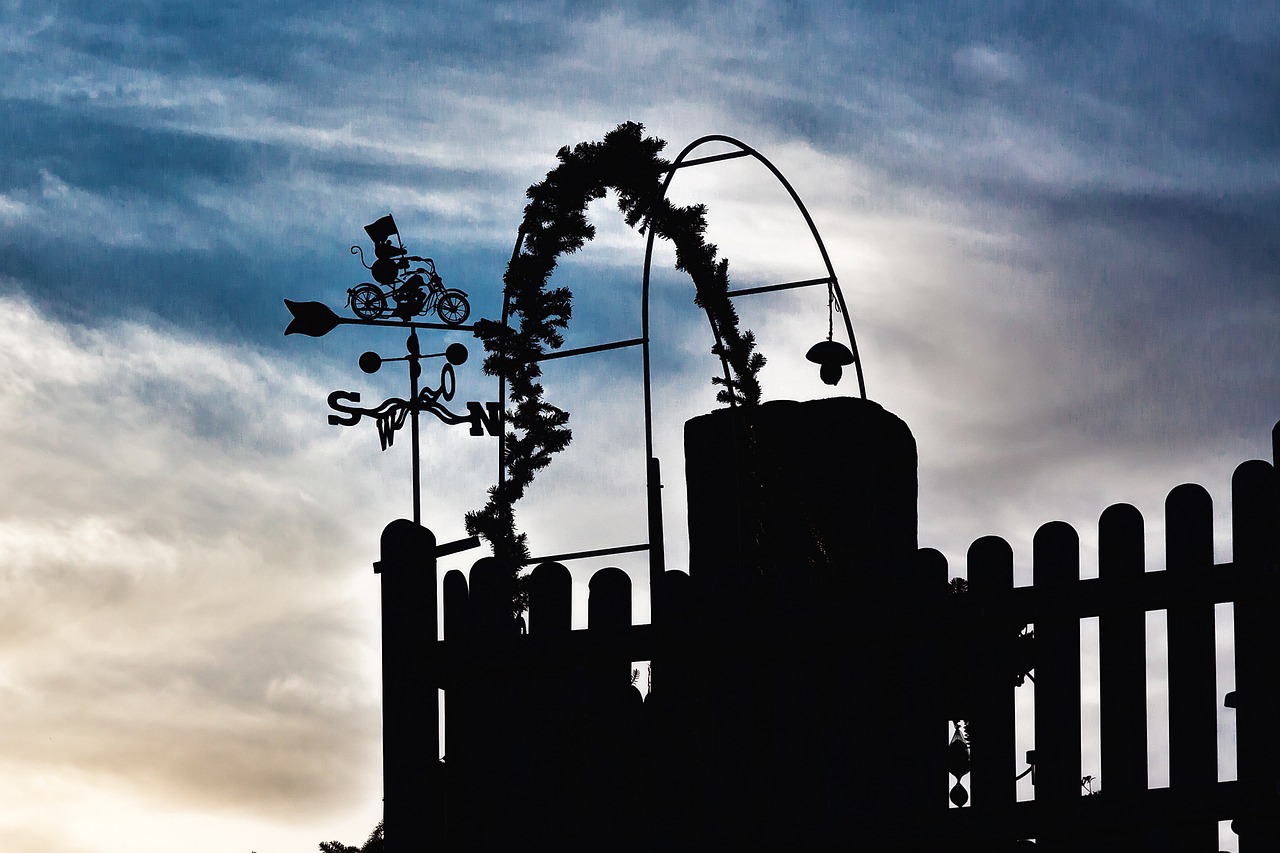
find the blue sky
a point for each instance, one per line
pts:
(1057, 228)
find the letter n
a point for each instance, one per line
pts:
(486, 417)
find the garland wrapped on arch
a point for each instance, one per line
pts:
(555, 223)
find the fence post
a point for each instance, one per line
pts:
(1122, 649)
(412, 791)
(1193, 743)
(1056, 571)
(1255, 518)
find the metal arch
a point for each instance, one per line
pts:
(653, 478)
(834, 283)
(657, 558)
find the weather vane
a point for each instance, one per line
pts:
(415, 290)
(405, 285)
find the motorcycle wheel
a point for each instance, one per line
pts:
(367, 301)
(453, 307)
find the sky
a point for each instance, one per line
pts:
(1057, 228)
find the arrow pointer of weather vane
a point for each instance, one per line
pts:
(402, 291)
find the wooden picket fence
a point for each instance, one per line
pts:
(798, 714)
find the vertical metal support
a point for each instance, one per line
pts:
(415, 370)
(657, 553)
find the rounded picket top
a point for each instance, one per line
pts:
(990, 561)
(1055, 556)
(1190, 497)
(1255, 513)
(404, 542)
(929, 572)
(609, 599)
(675, 598)
(1121, 543)
(491, 596)
(1188, 528)
(1122, 518)
(550, 600)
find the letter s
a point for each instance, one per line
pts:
(336, 399)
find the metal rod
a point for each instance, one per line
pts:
(413, 422)
(747, 291)
(457, 545)
(405, 324)
(714, 158)
(813, 230)
(579, 555)
(566, 353)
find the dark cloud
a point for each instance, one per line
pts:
(300, 44)
(104, 152)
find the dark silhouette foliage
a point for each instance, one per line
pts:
(554, 224)
(374, 844)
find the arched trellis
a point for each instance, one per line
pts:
(655, 545)
(653, 473)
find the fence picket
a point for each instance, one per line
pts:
(460, 766)
(552, 716)
(1056, 572)
(1255, 523)
(920, 771)
(1122, 669)
(991, 665)
(673, 788)
(1193, 763)
(613, 728)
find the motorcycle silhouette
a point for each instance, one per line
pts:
(414, 290)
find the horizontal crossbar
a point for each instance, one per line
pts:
(631, 342)
(714, 158)
(580, 555)
(747, 291)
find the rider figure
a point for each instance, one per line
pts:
(390, 258)
(390, 262)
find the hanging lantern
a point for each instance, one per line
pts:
(831, 356)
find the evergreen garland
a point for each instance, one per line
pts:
(555, 223)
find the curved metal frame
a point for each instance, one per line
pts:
(653, 478)
(833, 282)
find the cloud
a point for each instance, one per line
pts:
(984, 64)
(184, 560)
(1056, 231)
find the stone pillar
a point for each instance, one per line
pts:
(802, 534)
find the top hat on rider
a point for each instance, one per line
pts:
(389, 261)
